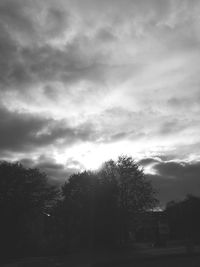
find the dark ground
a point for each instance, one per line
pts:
(151, 257)
(193, 261)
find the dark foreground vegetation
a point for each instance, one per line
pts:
(108, 209)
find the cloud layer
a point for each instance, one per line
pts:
(89, 80)
(173, 179)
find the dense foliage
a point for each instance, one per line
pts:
(103, 207)
(94, 209)
(184, 219)
(25, 196)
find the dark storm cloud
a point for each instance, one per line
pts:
(33, 20)
(13, 17)
(56, 22)
(27, 56)
(27, 66)
(56, 172)
(173, 126)
(23, 131)
(19, 130)
(147, 161)
(106, 35)
(22, 63)
(173, 179)
(30, 55)
(51, 64)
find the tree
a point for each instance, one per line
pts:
(133, 192)
(184, 218)
(76, 210)
(101, 208)
(88, 210)
(24, 195)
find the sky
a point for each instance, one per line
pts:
(84, 81)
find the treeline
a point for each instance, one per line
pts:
(92, 209)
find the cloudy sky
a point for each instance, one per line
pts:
(83, 81)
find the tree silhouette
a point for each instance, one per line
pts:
(102, 207)
(75, 211)
(133, 192)
(184, 218)
(25, 194)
